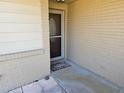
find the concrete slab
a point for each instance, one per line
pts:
(77, 80)
(16, 91)
(51, 86)
(42, 86)
(33, 88)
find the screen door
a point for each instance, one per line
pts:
(56, 34)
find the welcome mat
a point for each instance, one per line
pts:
(57, 65)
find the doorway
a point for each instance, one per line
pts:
(56, 23)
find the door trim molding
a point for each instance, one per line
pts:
(62, 34)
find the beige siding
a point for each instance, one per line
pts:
(96, 37)
(20, 26)
(21, 18)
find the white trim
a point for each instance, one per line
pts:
(55, 36)
(56, 58)
(62, 34)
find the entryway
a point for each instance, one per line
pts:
(56, 23)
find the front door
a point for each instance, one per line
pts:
(56, 21)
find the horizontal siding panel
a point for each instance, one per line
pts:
(23, 28)
(96, 37)
(8, 48)
(7, 7)
(19, 18)
(23, 54)
(20, 28)
(8, 37)
(24, 2)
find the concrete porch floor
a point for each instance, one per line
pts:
(72, 79)
(75, 79)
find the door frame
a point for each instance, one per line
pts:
(62, 34)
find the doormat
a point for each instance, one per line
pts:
(56, 65)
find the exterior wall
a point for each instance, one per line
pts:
(63, 7)
(22, 68)
(96, 37)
